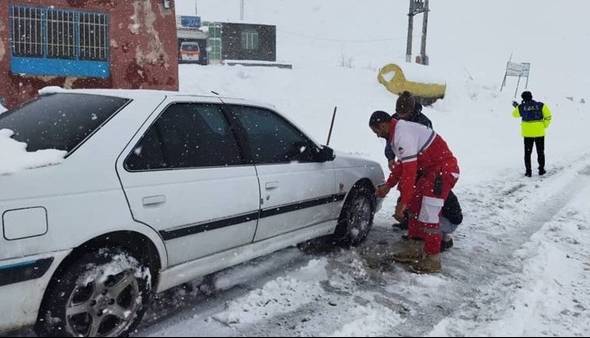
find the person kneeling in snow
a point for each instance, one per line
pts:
(419, 149)
(408, 109)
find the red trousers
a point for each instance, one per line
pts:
(432, 190)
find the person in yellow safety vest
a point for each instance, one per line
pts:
(536, 118)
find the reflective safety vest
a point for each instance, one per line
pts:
(535, 116)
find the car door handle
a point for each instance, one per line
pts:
(272, 185)
(152, 201)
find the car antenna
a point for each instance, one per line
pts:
(218, 96)
(332, 126)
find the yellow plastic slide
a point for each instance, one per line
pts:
(393, 78)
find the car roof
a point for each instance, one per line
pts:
(138, 94)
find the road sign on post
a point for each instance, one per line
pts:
(417, 7)
(519, 70)
(190, 22)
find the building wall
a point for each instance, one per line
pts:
(143, 48)
(232, 42)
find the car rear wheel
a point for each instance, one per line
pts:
(103, 294)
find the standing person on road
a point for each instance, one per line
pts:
(536, 118)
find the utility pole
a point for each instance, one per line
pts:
(196, 8)
(242, 10)
(410, 32)
(417, 7)
(423, 55)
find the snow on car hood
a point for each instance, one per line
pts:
(14, 156)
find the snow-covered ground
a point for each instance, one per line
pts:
(469, 46)
(522, 261)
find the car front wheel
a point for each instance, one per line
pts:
(357, 216)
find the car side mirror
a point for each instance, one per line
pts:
(325, 154)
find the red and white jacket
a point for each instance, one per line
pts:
(418, 149)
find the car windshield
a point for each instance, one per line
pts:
(190, 48)
(60, 121)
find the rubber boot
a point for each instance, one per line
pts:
(411, 253)
(428, 264)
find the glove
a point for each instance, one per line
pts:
(514, 104)
(400, 210)
(382, 191)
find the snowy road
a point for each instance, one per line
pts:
(522, 240)
(521, 268)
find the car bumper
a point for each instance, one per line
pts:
(22, 285)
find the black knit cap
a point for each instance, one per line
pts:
(406, 103)
(527, 96)
(379, 117)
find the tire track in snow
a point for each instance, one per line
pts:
(502, 279)
(509, 295)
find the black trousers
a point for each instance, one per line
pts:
(451, 211)
(529, 142)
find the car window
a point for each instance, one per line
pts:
(271, 138)
(60, 121)
(190, 47)
(148, 155)
(187, 135)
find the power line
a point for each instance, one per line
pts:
(316, 38)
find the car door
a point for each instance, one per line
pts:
(297, 190)
(186, 176)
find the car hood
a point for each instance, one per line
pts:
(344, 160)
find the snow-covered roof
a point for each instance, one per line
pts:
(138, 94)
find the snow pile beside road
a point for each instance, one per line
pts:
(475, 117)
(555, 299)
(14, 156)
(424, 74)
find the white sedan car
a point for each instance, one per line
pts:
(158, 189)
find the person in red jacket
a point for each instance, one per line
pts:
(419, 149)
